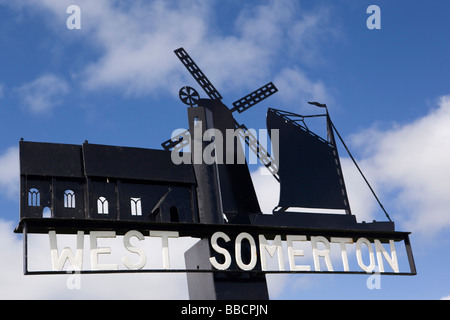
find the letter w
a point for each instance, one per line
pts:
(66, 254)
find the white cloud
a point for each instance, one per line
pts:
(267, 189)
(362, 202)
(43, 93)
(410, 164)
(446, 298)
(135, 43)
(408, 167)
(9, 172)
(296, 86)
(14, 285)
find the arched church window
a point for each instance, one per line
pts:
(136, 207)
(34, 198)
(102, 206)
(69, 199)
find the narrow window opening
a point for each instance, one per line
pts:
(46, 213)
(33, 198)
(136, 207)
(69, 199)
(102, 206)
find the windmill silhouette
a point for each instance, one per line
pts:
(190, 96)
(233, 195)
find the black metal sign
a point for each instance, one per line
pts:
(108, 191)
(231, 248)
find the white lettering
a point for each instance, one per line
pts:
(325, 253)
(271, 249)
(165, 235)
(343, 242)
(139, 251)
(58, 261)
(218, 249)
(193, 310)
(391, 260)
(359, 243)
(238, 251)
(95, 250)
(270, 252)
(246, 309)
(292, 253)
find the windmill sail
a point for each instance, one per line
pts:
(198, 75)
(309, 167)
(255, 97)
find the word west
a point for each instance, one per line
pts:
(76, 260)
(213, 147)
(374, 21)
(260, 250)
(74, 20)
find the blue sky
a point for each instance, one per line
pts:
(116, 80)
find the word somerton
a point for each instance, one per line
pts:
(244, 252)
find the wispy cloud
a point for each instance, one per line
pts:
(296, 86)
(43, 94)
(135, 43)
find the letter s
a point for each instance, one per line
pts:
(218, 249)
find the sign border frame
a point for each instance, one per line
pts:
(196, 230)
